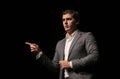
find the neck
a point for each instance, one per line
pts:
(71, 31)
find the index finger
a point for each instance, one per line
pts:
(28, 43)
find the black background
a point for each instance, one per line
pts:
(40, 22)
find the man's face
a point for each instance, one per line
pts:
(69, 22)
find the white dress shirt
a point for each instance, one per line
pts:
(69, 40)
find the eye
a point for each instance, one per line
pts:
(63, 19)
(69, 19)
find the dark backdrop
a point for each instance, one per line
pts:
(40, 22)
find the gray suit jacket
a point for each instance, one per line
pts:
(83, 54)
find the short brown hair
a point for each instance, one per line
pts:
(75, 14)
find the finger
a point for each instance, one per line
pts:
(28, 43)
(32, 50)
(60, 61)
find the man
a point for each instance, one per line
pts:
(75, 55)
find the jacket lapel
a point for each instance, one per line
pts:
(62, 49)
(74, 42)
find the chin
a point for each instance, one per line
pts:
(67, 29)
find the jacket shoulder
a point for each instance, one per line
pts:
(84, 33)
(61, 41)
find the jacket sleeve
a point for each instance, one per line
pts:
(53, 65)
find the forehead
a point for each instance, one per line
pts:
(68, 15)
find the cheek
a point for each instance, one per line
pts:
(63, 23)
(71, 24)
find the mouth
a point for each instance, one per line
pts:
(66, 26)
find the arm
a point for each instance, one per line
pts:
(47, 62)
(92, 54)
(42, 58)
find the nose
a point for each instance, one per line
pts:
(65, 21)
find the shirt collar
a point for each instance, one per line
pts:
(72, 35)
